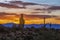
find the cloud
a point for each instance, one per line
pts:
(29, 11)
(37, 19)
(32, 12)
(8, 5)
(13, 8)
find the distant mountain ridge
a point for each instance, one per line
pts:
(56, 26)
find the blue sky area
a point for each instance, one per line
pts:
(50, 2)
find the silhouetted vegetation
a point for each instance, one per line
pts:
(32, 33)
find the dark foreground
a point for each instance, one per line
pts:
(29, 34)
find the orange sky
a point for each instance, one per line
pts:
(10, 14)
(28, 19)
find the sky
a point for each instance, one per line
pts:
(31, 12)
(50, 2)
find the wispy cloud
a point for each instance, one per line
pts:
(18, 7)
